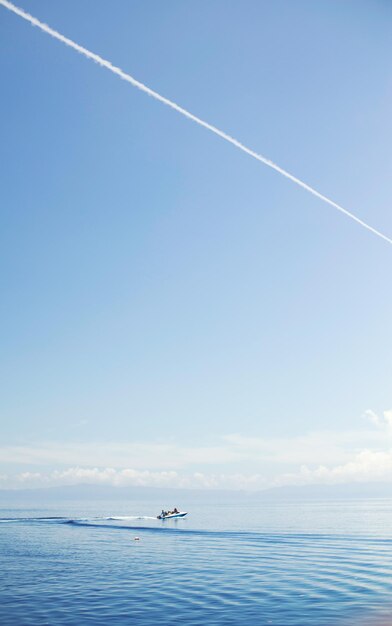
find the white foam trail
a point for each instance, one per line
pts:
(127, 517)
(127, 77)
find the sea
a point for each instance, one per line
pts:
(285, 563)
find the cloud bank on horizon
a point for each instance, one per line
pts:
(235, 462)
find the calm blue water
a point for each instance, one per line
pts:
(293, 564)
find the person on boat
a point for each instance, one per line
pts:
(175, 510)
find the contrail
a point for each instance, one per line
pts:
(127, 77)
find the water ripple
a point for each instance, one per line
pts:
(80, 570)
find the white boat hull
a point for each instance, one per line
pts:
(172, 515)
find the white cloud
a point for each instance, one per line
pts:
(384, 421)
(365, 466)
(131, 477)
(234, 461)
(321, 447)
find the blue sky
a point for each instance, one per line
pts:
(163, 291)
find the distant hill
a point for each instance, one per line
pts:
(102, 492)
(86, 492)
(351, 491)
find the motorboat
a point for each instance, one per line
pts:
(172, 515)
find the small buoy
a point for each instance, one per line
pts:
(136, 538)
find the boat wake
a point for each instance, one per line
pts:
(135, 522)
(75, 520)
(108, 522)
(129, 517)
